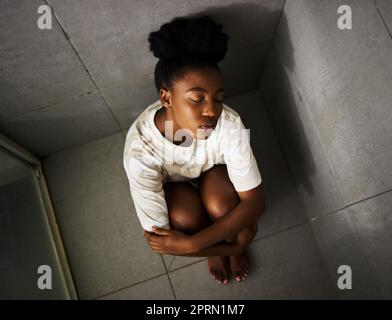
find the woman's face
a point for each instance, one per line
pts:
(197, 99)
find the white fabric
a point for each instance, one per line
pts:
(150, 160)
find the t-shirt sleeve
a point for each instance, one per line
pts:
(145, 182)
(241, 164)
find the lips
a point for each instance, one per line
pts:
(208, 125)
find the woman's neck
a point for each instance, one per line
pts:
(164, 115)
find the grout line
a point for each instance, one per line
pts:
(278, 22)
(168, 277)
(357, 235)
(269, 42)
(321, 252)
(50, 105)
(171, 263)
(356, 202)
(280, 16)
(275, 129)
(300, 224)
(269, 50)
(282, 149)
(190, 264)
(82, 144)
(126, 287)
(83, 64)
(346, 206)
(383, 20)
(284, 4)
(310, 220)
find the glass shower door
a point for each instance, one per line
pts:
(30, 267)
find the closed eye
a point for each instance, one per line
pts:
(199, 101)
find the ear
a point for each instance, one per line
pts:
(165, 97)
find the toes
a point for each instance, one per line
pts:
(225, 279)
(221, 278)
(245, 273)
(218, 276)
(243, 276)
(244, 269)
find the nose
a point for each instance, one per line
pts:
(210, 110)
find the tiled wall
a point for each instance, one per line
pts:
(328, 94)
(91, 74)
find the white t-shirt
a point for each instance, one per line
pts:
(150, 160)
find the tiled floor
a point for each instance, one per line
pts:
(110, 258)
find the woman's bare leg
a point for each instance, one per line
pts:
(219, 198)
(187, 214)
(186, 211)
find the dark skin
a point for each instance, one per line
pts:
(231, 232)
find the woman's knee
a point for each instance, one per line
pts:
(217, 192)
(222, 205)
(186, 212)
(187, 221)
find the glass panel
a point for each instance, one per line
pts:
(25, 236)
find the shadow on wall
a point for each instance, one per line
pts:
(283, 100)
(250, 28)
(249, 23)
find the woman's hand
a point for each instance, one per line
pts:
(169, 241)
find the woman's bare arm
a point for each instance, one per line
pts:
(219, 249)
(250, 207)
(205, 242)
(235, 247)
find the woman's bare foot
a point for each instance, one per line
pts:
(239, 266)
(219, 268)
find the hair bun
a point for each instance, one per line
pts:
(197, 37)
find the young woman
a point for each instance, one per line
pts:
(193, 178)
